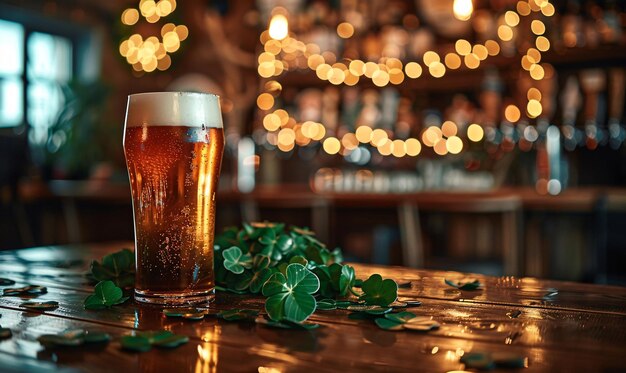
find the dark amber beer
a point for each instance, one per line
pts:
(173, 143)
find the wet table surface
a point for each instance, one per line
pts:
(561, 327)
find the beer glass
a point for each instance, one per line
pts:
(173, 143)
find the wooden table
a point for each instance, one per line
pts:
(563, 327)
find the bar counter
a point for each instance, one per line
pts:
(553, 326)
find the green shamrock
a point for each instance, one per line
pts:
(289, 295)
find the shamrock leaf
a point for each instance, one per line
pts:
(106, 294)
(298, 259)
(377, 291)
(74, 337)
(235, 261)
(406, 320)
(468, 285)
(259, 279)
(326, 304)
(317, 254)
(143, 341)
(118, 267)
(289, 295)
(342, 278)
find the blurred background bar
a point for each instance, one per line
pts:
(476, 135)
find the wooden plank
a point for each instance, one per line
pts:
(521, 292)
(535, 327)
(578, 327)
(240, 347)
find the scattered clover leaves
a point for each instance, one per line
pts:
(105, 295)
(235, 261)
(290, 295)
(464, 285)
(257, 258)
(72, 338)
(143, 341)
(377, 291)
(118, 267)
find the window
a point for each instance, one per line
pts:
(34, 67)
(11, 71)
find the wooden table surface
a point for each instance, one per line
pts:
(563, 327)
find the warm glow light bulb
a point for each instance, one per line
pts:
(463, 9)
(279, 27)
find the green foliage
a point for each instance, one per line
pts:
(143, 341)
(105, 295)
(467, 285)
(290, 295)
(235, 261)
(291, 267)
(377, 291)
(406, 320)
(80, 135)
(118, 267)
(73, 338)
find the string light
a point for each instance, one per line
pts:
(512, 113)
(287, 53)
(151, 54)
(413, 70)
(279, 27)
(462, 9)
(413, 147)
(453, 61)
(345, 30)
(475, 132)
(454, 145)
(537, 27)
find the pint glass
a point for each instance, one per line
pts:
(173, 143)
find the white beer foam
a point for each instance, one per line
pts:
(187, 109)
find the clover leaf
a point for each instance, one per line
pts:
(342, 278)
(74, 337)
(143, 341)
(106, 294)
(406, 320)
(377, 291)
(118, 267)
(461, 285)
(289, 295)
(235, 261)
